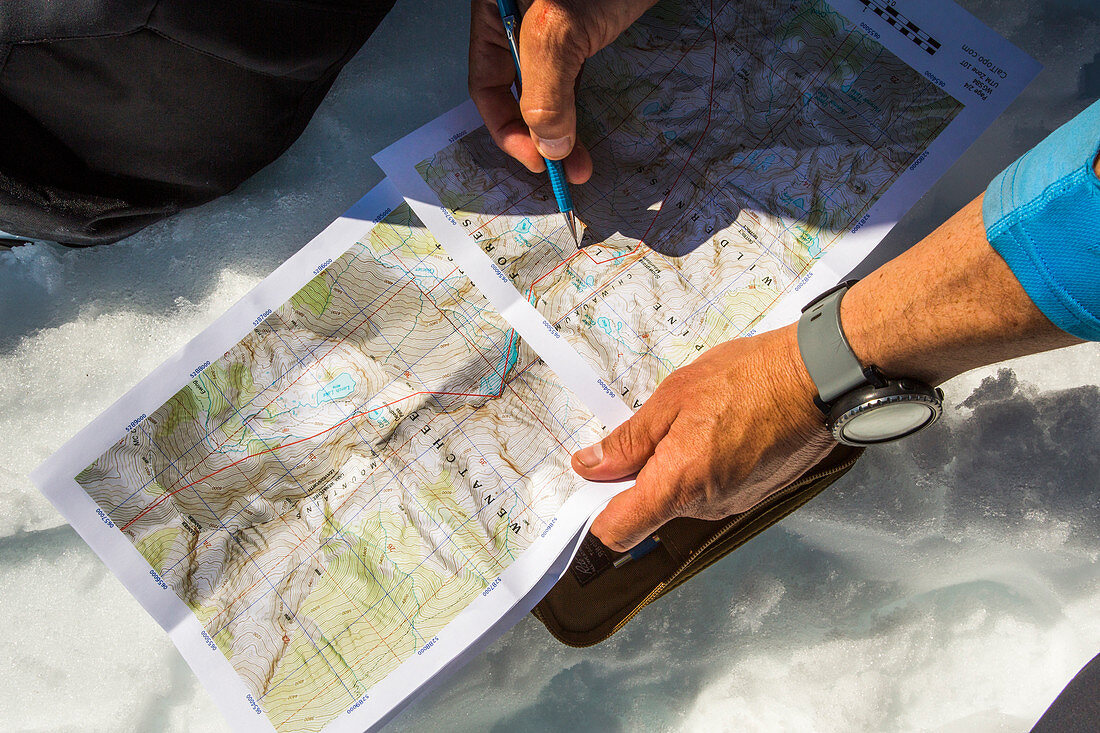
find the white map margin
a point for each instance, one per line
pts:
(509, 597)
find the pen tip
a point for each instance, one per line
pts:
(571, 223)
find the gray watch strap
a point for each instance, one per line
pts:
(829, 359)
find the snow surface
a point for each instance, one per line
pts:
(949, 583)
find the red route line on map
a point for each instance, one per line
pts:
(327, 520)
(296, 442)
(244, 424)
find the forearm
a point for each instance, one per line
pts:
(947, 305)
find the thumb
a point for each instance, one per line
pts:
(625, 451)
(553, 48)
(656, 497)
(632, 516)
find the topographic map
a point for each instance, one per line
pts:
(736, 141)
(329, 494)
(358, 477)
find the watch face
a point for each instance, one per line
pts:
(887, 421)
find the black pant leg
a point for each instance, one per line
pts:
(1077, 707)
(117, 113)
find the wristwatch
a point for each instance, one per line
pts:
(861, 405)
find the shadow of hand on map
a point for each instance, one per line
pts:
(668, 202)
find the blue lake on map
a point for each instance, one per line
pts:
(337, 389)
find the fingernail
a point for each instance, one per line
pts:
(591, 456)
(556, 148)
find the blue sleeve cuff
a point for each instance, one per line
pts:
(1042, 215)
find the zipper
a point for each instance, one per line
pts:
(772, 500)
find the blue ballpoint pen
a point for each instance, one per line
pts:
(509, 14)
(639, 551)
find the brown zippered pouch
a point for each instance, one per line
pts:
(594, 599)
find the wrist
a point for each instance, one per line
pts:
(797, 390)
(878, 332)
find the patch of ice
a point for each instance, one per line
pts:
(58, 379)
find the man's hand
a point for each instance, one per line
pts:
(739, 422)
(716, 437)
(556, 37)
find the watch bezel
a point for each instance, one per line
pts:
(861, 399)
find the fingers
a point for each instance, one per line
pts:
(639, 511)
(491, 75)
(555, 39)
(553, 47)
(578, 166)
(500, 111)
(628, 447)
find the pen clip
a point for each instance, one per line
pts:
(511, 23)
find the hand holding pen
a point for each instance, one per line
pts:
(510, 17)
(555, 39)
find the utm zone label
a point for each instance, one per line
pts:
(358, 702)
